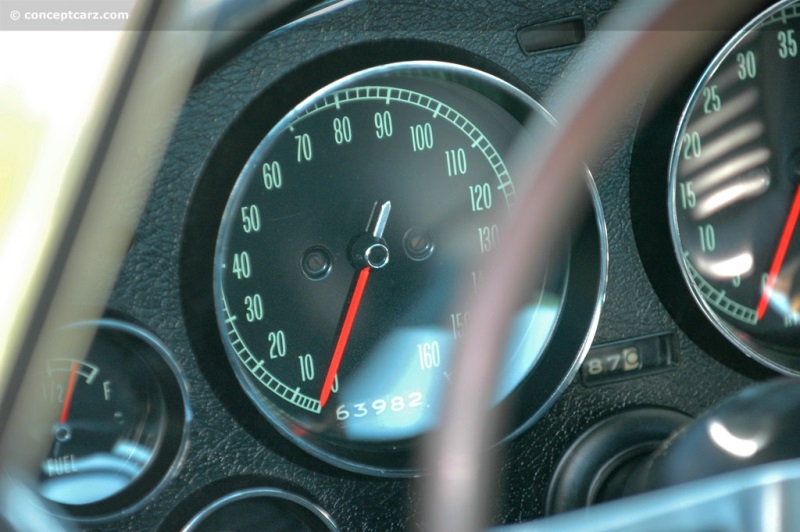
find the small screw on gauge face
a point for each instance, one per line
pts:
(316, 263)
(418, 244)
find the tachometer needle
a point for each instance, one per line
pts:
(780, 254)
(376, 226)
(73, 376)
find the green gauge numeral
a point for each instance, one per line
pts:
(456, 162)
(747, 65)
(692, 146)
(342, 131)
(787, 44)
(241, 265)
(708, 241)
(712, 101)
(488, 237)
(306, 367)
(304, 150)
(477, 281)
(688, 197)
(383, 125)
(273, 176)
(277, 344)
(422, 136)
(429, 355)
(480, 197)
(255, 308)
(459, 320)
(251, 219)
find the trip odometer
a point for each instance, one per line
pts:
(735, 189)
(342, 249)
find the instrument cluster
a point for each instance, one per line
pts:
(277, 344)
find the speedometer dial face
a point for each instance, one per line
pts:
(735, 189)
(342, 249)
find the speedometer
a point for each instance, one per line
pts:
(342, 248)
(735, 189)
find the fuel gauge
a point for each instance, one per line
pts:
(121, 423)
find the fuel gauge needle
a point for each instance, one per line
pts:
(73, 376)
(371, 250)
(780, 255)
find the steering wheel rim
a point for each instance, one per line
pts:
(651, 39)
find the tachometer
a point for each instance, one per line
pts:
(735, 189)
(341, 250)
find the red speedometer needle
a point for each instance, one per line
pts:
(369, 249)
(73, 376)
(780, 254)
(344, 334)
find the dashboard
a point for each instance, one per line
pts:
(326, 185)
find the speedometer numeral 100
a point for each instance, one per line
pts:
(422, 136)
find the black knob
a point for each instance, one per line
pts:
(756, 426)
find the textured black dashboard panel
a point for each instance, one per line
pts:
(230, 444)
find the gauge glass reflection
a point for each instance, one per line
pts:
(342, 248)
(120, 419)
(735, 189)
